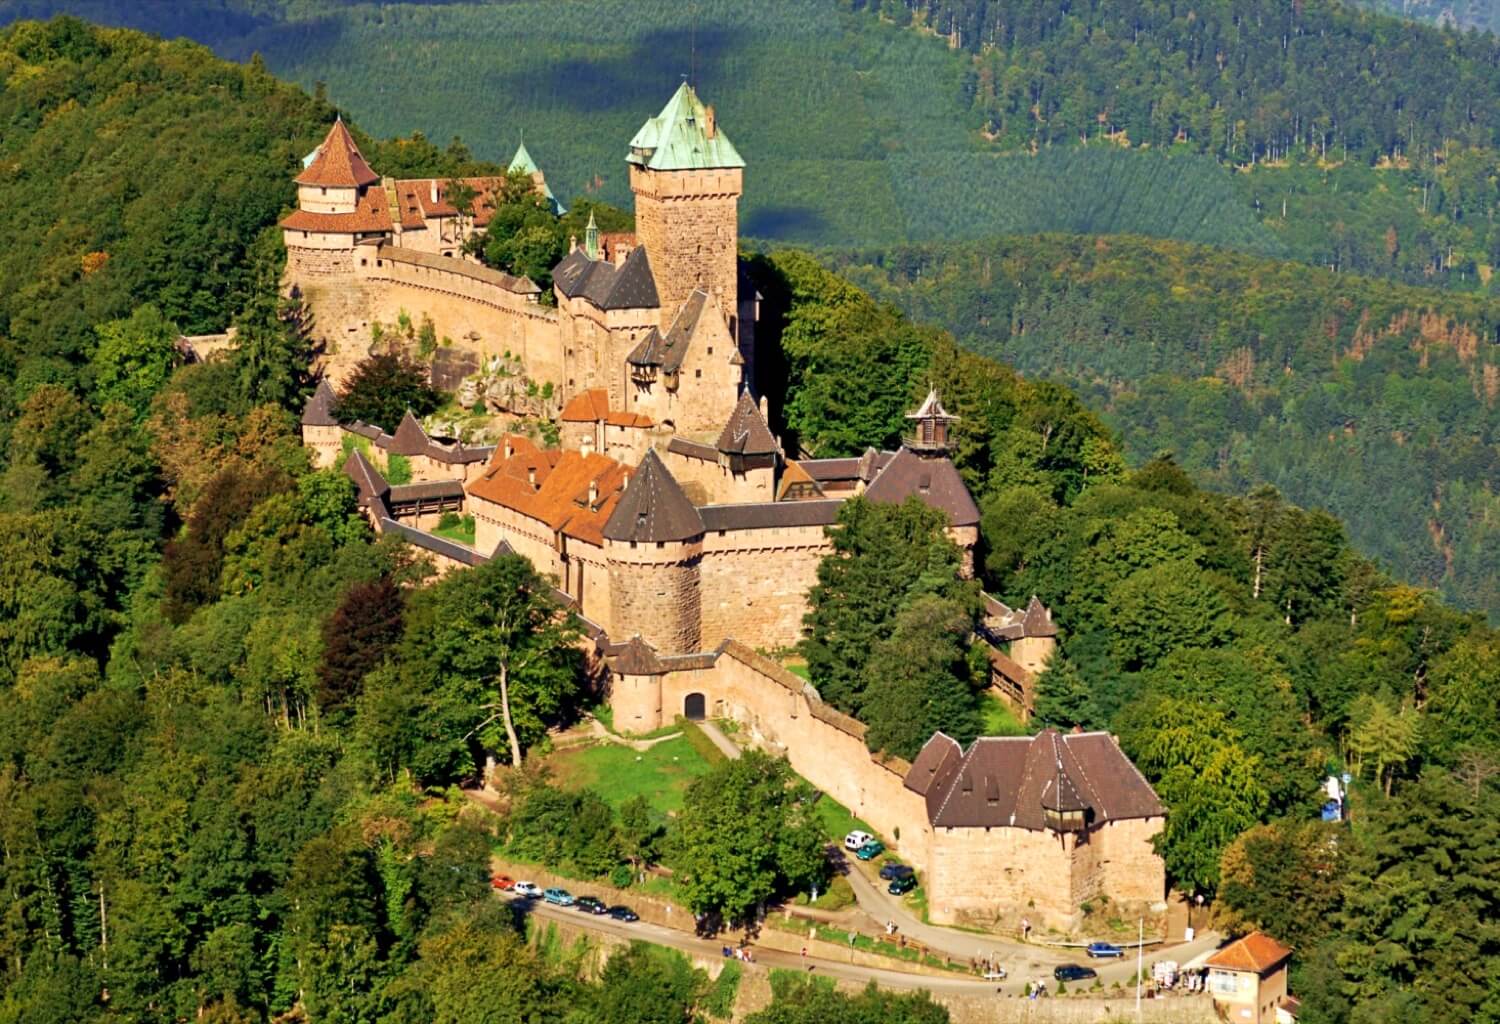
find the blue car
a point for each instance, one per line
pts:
(559, 897)
(1099, 950)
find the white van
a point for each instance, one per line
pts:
(854, 840)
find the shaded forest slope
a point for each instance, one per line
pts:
(1377, 402)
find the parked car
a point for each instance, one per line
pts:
(624, 914)
(528, 889)
(872, 849)
(994, 972)
(902, 884)
(891, 872)
(591, 904)
(854, 840)
(1100, 950)
(1074, 972)
(559, 897)
(504, 883)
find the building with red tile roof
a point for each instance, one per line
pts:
(1248, 978)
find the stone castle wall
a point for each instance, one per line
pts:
(755, 583)
(656, 593)
(689, 223)
(823, 746)
(976, 876)
(706, 481)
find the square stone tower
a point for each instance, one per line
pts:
(687, 178)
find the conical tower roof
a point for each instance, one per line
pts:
(522, 161)
(685, 136)
(409, 438)
(338, 162)
(653, 507)
(318, 412)
(746, 432)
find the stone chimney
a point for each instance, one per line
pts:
(531, 476)
(765, 409)
(434, 191)
(509, 451)
(593, 492)
(710, 123)
(572, 244)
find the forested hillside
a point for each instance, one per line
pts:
(232, 722)
(1379, 403)
(1457, 14)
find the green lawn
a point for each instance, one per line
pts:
(462, 531)
(797, 668)
(617, 773)
(837, 820)
(998, 719)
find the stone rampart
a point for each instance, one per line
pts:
(781, 711)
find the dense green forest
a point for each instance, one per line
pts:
(1239, 646)
(1458, 14)
(1376, 402)
(232, 721)
(889, 136)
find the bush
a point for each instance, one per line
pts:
(719, 1002)
(620, 876)
(397, 469)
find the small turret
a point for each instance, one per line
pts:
(931, 423)
(591, 238)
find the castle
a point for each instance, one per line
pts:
(661, 321)
(677, 527)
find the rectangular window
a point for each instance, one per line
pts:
(698, 374)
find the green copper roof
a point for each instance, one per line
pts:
(522, 161)
(679, 139)
(523, 164)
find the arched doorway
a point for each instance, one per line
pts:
(692, 707)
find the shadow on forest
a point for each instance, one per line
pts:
(641, 77)
(783, 223)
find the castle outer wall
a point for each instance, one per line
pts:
(971, 876)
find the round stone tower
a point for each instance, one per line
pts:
(653, 543)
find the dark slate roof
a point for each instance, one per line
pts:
(318, 412)
(648, 352)
(628, 286)
(1002, 622)
(864, 467)
(746, 432)
(767, 515)
(693, 449)
(635, 658)
(935, 763)
(653, 507)
(460, 553)
(1007, 782)
(370, 484)
(426, 490)
(410, 438)
(934, 480)
(1038, 620)
(668, 351)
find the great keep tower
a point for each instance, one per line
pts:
(687, 178)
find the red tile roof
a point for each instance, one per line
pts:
(371, 214)
(560, 497)
(1256, 952)
(338, 163)
(593, 405)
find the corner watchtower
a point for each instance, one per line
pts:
(687, 178)
(931, 424)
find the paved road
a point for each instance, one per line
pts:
(764, 958)
(724, 743)
(1122, 971)
(1021, 959)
